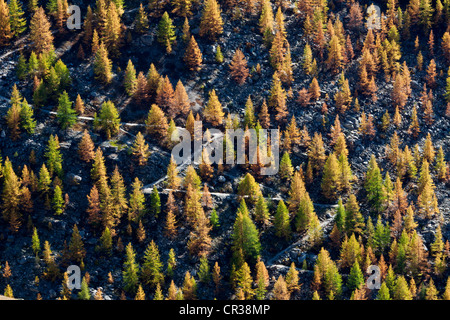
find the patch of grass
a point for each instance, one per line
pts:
(119, 145)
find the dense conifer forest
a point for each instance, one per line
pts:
(89, 116)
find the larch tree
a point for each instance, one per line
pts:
(165, 94)
(141, 20)
(186, 31)
(211, 24)
(426, 14)
(13, 117)
(296, 192)
(304, 215)
(118, 194)
(137, 207)
(170, 227)
(244, 282)
(199, 242)
(264, 116)
(173, 180)
(213, 112)
(441, 165)
(79, 105)
(204, 274)
(335, 60)
(277, 51)
(266, 20)
(102, 65)
(157, 123)
(354, 220)
(5, 26)
(431, 74)
(427, 201)
(140, 149)
(316, 153)
(182, 8)
(330, 177)
(40, 34)
(88, 26)
(153, 78)
(140, 93)
(249, 188)
(108, 120)
(238, 67)
(314, 89)
(193, 55)
(445, 46)
(280, 290)
(189, 290)
(11, 197)
(181, 104)
(93, 210)
(76, 246)
(428, 149)
(277, 99)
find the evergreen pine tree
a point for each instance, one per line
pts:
(76, 246)
(58, 201)
(245, 237)
(35, 243)
(356, 277)
(166, 32)
(130, 270)
(129, 80)
(54, 156)
(18, 22)
(281, 221)
(152, 267)
(84, 293)
(155, 203)
(66, 114)
(108, 120)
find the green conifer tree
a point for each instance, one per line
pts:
(67, 116)
(130, 270)
(281, 222)
(155, 203)
(152, 267)
(166, 32)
